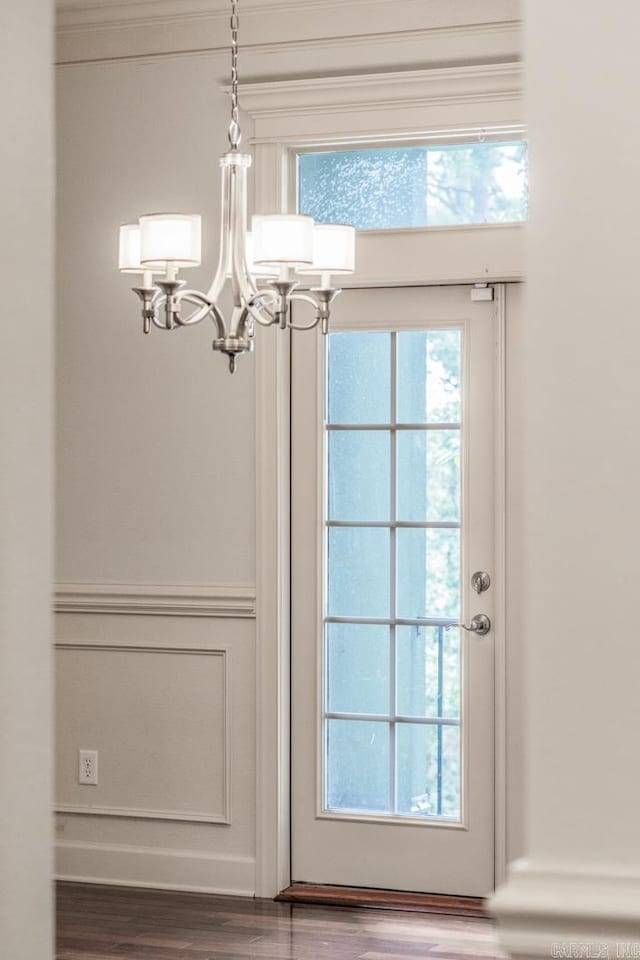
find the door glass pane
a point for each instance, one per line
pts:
(428, 574)
(416, 186)
(358, 665)
(358, 769)
(359, 572)
(392, 558)
(428, 475)
(428, 770)
(428, 672)
(359, 378)
(429, 376)
(359, 475)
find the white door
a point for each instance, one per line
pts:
(392, 513)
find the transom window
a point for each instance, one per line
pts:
(435, 184)
(392, 527)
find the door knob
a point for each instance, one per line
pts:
(480, 624)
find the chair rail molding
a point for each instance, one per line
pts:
(184, 600)
(545, 906)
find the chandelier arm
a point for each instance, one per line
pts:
(157, 323)
(205, 309)
(254, 305)
(299, 296)
(307, 326)
(194, 297)
(251, 310)
(307, 298)
(196, 316)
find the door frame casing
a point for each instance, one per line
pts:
(355, 108)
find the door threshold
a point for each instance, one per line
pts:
(384, 900)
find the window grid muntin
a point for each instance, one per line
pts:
(393, 719)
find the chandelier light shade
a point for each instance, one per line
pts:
(170, 238)
(282, 239)
(257, 265)
(129, 254)
(334, 250)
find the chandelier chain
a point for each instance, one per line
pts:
(235, 134)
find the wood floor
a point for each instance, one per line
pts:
(104, 923)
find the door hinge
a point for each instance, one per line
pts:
(481, 292)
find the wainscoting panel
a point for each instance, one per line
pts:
(168, 702)
(110, 697)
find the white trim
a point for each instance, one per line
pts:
(214, 600)
(138, 813)
(378, 90)
(413, 104)
(359, 33)
(272, 575)
(187, 816)
(499, 575)
(155, 868)
(543, 904)
(408, 104)
(109, 10)
(273, 623)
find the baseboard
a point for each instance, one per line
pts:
(552, 910)
(383, 900)
(159, 869)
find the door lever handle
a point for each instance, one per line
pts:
(480, 624)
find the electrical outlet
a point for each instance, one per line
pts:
(88, 767)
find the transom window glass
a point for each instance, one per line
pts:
(393, 525)
(416, 186)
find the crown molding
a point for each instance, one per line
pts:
(270, 100)
(443, 12)
(415, 31)
(406, 104)
(217, 600)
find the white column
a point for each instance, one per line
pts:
(26, 168)
(580, 502)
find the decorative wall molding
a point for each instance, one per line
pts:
(547, 904)
(96, 11)
(215, 600)
(353, 13)
(413, 104)
(415, 31)
(155, 867)
(137, 813)
(412, 87)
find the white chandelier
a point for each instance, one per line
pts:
(258, 265)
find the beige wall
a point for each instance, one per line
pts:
(155, 439)
(156, 465)
(26, 414)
